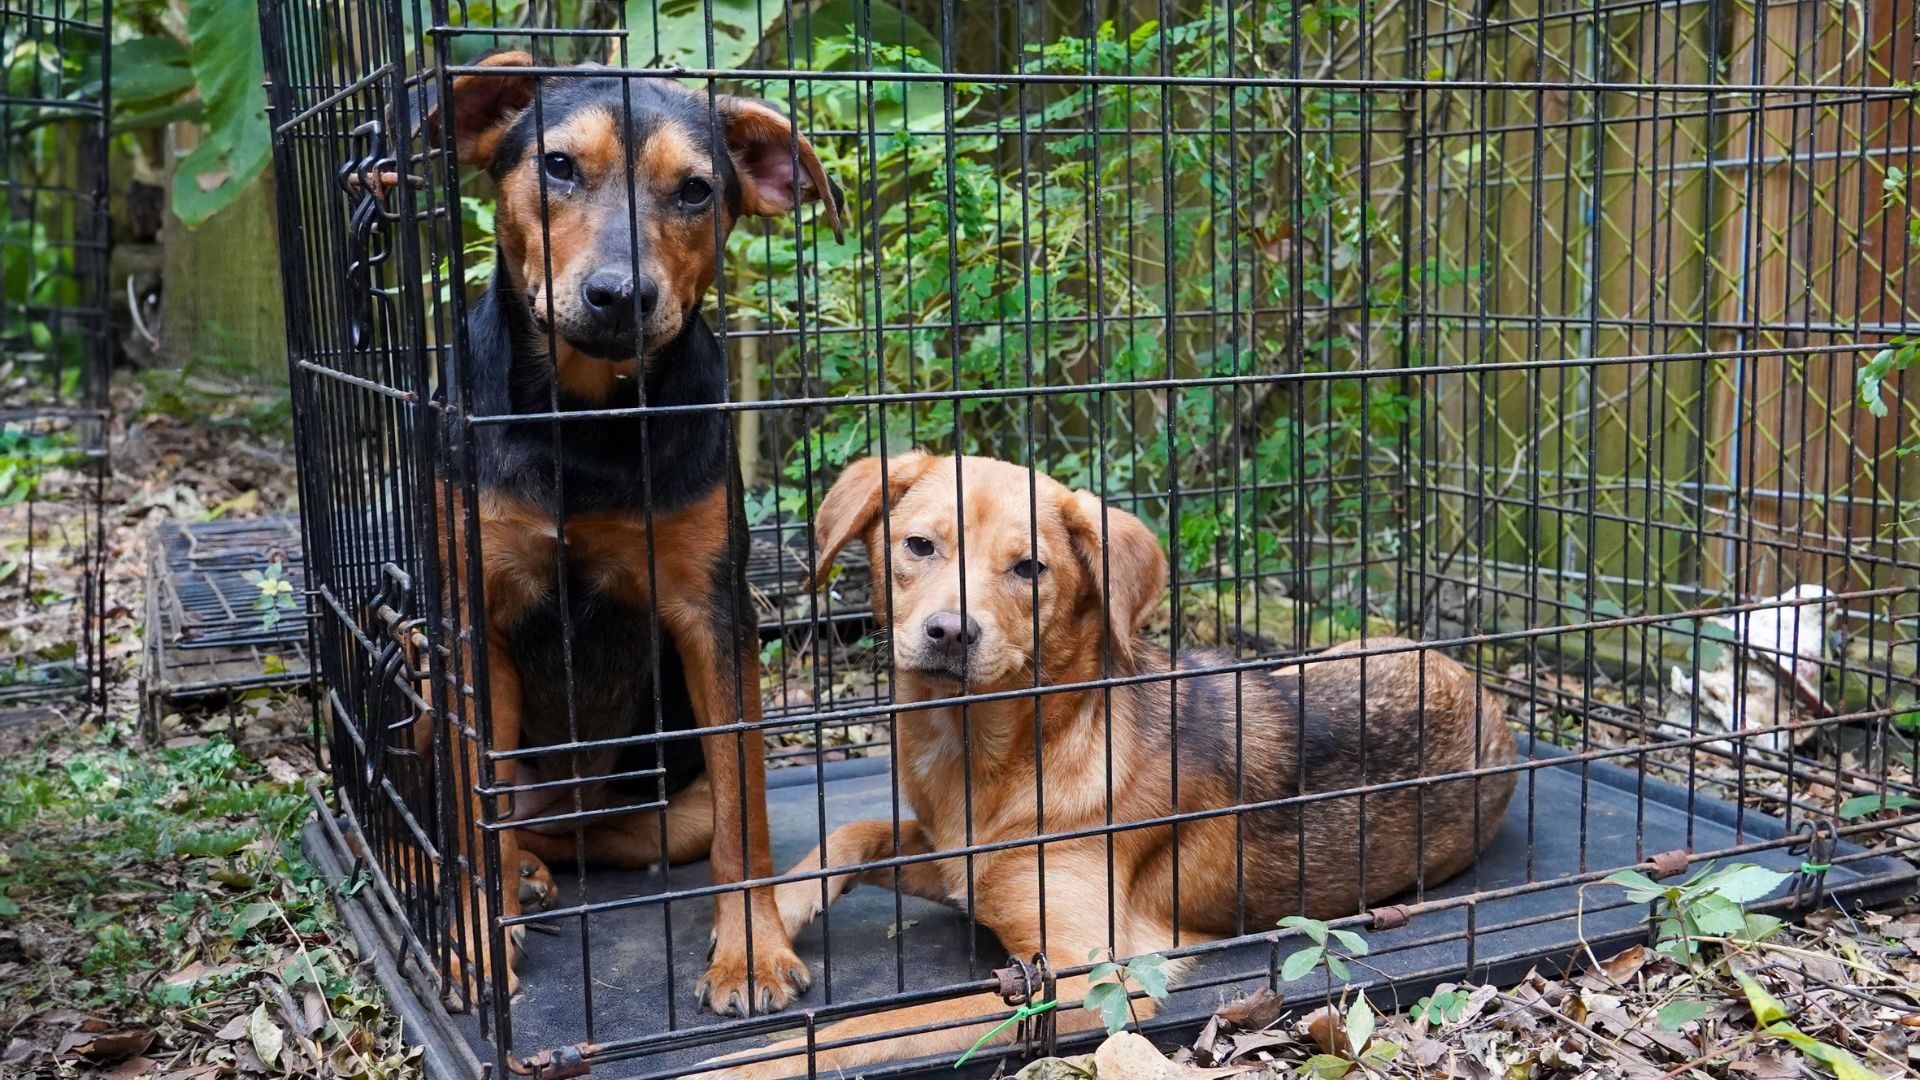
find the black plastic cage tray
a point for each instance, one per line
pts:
(878, 949)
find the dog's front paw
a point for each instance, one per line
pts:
(779, 977)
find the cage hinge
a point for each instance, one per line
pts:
(1668, 863)
(1023, 983)
(1392, 917)
(561, 1062)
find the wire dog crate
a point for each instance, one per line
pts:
(1530, 331)
(53, 349)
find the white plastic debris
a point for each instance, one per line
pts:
(1783, 647)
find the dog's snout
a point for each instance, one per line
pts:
(615, 295)
(951, 631)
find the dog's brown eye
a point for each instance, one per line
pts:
(920, 546)
(559, 167)
(1029, 568)
(695, 193)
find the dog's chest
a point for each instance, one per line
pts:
(526, 554)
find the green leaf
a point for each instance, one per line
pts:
(224, 43)
(1681, 1013)
(1746, 883)
(1359, 1024)
(1766, 1008)
(1338, 967)
(1300, 963)
(1313, 928)
(149, 68)
(1356, 945)
(1110, 1001)
(8, 909)
(1717, 916)
(1150, 978)
(1760, 927)
(1326, 1067)
(678, 35)
(1866, 805)
(1640, 888)
(249, 917)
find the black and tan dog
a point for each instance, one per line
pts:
(614, 201)
(1086, 576)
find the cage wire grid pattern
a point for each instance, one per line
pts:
(53, 349)
(1527, 330)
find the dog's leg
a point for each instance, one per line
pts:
(857, 842)
(632, 841)
(755, 969)
(476, 901)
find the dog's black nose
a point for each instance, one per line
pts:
(950, 631)
(614, 296)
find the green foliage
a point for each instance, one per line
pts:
(277, 594)
(1898, 356)
(1771, 1015)
(1441, 1008)
(1861, 806)
(1113, 986)
(224, 48)
(1060, 263)
(1321, 954)
(1706, 905)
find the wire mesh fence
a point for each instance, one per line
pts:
(53, 347)
(1531, 332)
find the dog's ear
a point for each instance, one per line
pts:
(852, 507)
(778, 168)
(1124, 559)
(484, 106)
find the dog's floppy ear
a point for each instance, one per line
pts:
(778, 168)
(484, 106)
(852, 507)
(1123, 557)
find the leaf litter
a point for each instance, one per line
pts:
(157, 919)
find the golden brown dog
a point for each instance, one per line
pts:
(1096, 575)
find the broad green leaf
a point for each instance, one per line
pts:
(1680, 1013)
(674, 32)
(1747, 883)
(1766, 1007)
(149, 68)
(1338, 967)
(1640, 888)
(1717, 916)
(224, 43)
(1150, 978)
(1326, 1067)
(1300, 963)
(1760, 927)
(1864, 805)
(1359, 1025)
(1356, 945)
(8, 909)
(1313, 928)
(249, 917)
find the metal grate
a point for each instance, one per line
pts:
(205, 634)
